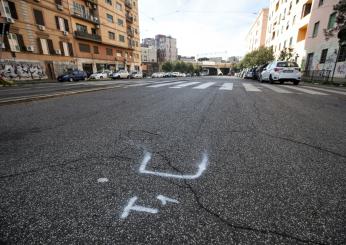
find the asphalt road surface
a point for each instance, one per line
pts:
(181, 161)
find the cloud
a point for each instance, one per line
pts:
(201, 26)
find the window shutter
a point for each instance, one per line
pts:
(7, 43)
(39, 46)
(50, 46)
(70, 49)
(21, 42)
(62, 49)
(57, 22)
(13, 10)
(38, 17)
(66, 25)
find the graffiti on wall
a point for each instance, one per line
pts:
(22, 70)
(341, 69)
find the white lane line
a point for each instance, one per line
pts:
(251, 88)
(164, 84)
(227, 86)
(136, 85)
(327, 90)
(276, 89)
(185, 85)
(204, 85)
(308, 91)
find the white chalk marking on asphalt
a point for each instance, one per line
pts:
(327, 90)
(130, 206)
(102, 180)
(185, 85)
(164, 200)
(164, 84)
(251, 88)
(308, 91)
(276, 89)
(204, 85)
(201, 168)
(227, 86)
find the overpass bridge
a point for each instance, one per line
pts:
(215, 68)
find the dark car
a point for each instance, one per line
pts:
(73, 76)
(259, 71)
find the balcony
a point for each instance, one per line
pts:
(128, 3)
(130, 33)
(84, 16)
(91, 1)
(129, 18)
(87, 36)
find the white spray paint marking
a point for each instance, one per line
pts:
(250, 88)
(102, 180)
(165, 84)
(277, 89)
(164, 200)
(227, 86)
(185, 85)
(204, 85)
(131, 207)
(308, 91)
(201, 168)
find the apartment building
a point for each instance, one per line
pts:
(256, 37)
(149, 54)
(324, 56)
(167, 48)
(46, 38)
(288, 24)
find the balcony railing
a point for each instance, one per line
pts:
(129, 18)
(83, 16)
(128, 4)
(130, 33)
(87, 36)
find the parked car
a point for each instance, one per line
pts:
(122, 74)
(250, 74)
(136, 74)
(158, 75)
(282, 71)
(259, 71)
(99, 75)
(71, 76)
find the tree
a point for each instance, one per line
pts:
(257, 57)
(340, 9)
(167, 67)
(286, 54)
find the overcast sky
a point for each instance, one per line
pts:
(201, 26)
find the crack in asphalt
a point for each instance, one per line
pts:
(225, 221)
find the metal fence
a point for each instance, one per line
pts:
(317, 75)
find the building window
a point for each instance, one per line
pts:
(13, 42)
(10, 9)
(120, 22)
(324, 56)
(291, 41)
(110, 18)
(320, 3)
(109, 51)
(111, 35)
(121, 38)
(119, 54)
(66, 49)
(118, 6)
(342, 53)
(85, 48)
(61, 24)
(109, 2)
(43, 46)
(38, 17)
(332, 21)
(315, 31)
(306, 9)
(81, 28)
(96, 50)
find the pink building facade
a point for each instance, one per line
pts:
(324, 57)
